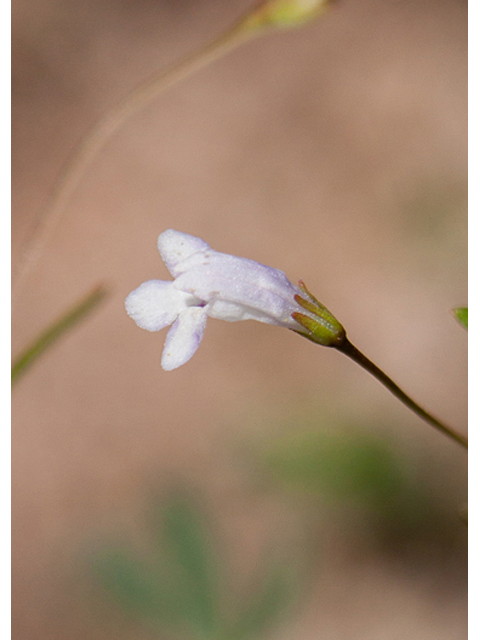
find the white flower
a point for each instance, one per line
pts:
(209, 283)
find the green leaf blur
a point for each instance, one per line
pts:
(461, 313)
(355, 472)
(177, 586)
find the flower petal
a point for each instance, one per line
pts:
(155, 304)
(175, 247)
(184, 337)
(241, 289)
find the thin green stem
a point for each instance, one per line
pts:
(352, 352)
(55, 331)
(104, 129)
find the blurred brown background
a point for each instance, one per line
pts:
(335, 152)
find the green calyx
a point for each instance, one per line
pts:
(323, 328)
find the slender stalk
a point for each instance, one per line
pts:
(55, 331)
(104, 129)
(352, 352)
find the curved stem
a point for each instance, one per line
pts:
(352, 352)
(104, 129)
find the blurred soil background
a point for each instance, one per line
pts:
(335, 152)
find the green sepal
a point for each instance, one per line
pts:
(321, 331)
(324, 328)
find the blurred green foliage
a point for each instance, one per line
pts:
(357, 466)
(179, 586)
(356, 472)
(352, 480)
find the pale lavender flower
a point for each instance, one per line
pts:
(209, 283)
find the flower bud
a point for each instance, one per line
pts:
(285, 13)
